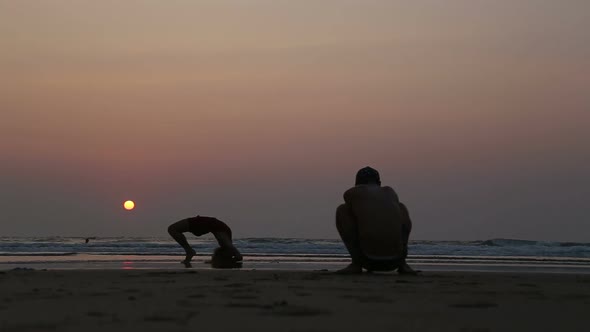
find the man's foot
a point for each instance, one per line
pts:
(188, 258)
(406, 269)
(351, 269)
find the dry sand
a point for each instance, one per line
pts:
(291, 301)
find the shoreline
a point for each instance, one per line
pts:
(298, 301)
(162, 262)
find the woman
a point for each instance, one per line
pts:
(200, 225)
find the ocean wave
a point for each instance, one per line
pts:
(39, 254)
(282, 246)
(507, 242)
(573, 244)
(517, 243)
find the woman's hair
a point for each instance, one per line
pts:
(367, 175)
(223, 258)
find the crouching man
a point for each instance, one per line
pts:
(374, 226)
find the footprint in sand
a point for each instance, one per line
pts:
(401, 281)
(236, 285)
(474, 305)
(295, 287)
(247, 305)
(297, 311)
(159, 318)
(163, 274)
(245, 297)
(368, 299)
(185, 303)
(132, 290)
(528, 285)
(96, 314)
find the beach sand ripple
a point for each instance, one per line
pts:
(298, 301)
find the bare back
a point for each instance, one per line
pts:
(377, 214)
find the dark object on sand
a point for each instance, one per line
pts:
(223, 258)
(20, 269)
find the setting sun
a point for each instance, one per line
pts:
(129, 205)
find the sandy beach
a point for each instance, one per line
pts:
(303, 301)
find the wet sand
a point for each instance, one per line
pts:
(299, 301)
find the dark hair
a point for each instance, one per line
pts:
(367, 175)
(223, 259)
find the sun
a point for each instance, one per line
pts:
(129, 205)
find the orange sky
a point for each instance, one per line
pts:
(260, 112)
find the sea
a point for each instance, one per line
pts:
(493, 255)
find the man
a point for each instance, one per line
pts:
(374, 226)
(202, 225)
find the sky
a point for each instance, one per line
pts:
(260, 113)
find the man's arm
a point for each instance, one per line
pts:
(406, 221)
(348, 195)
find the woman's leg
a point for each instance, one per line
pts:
(176, 230)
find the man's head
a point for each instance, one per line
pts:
(367, 175)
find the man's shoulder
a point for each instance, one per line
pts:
(390, 192)
(356, 190)
(366, 188)
(369, 191)
(387, 188)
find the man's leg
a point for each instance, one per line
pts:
(404, 268)
(175, 230)
(346, 225)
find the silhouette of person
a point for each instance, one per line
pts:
(201, 225)
(374, 226)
